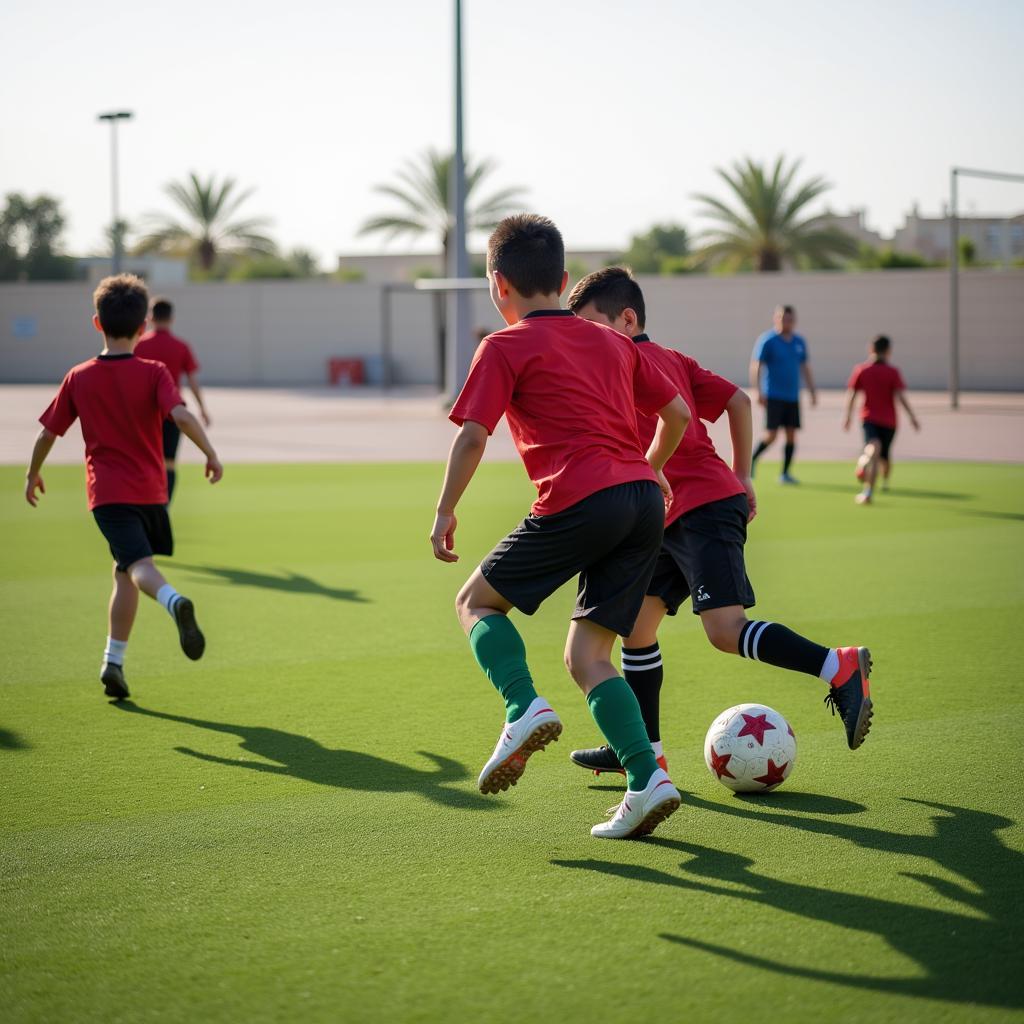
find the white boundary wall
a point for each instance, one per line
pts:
(283, 332)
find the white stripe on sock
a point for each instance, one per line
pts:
(746, 638)
(640, 658)
(642, 668)
(757, 640)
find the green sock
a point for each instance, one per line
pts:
(617, 713)
(501, 653)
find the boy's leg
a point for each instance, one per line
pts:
(788, 452)
(868, 471)
(148, 578)
(767, 439)
(124, 603)
(530, 724)
(172, 437)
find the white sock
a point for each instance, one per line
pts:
(659, 750)
(168, 596)
(831, 666)
(113, 654)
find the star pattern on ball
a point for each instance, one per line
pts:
(756, 726)
(774, 775)
(719, 764)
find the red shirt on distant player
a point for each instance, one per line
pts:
(571, 390)
(174, 352)
(880, 383)
(696, 471)
(122, 402)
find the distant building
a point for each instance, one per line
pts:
(854, 223)
(386, 268)
(156, 271)
(996, 239)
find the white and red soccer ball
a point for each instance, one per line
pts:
(750, 748)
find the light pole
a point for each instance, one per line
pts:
(460, 348)
(113, 117)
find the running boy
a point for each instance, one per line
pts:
(121, 401)
(882, 384)
(570, 390)
(779, 360)
(702, 552)
(176, 354)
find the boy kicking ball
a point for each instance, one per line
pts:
(702, 552)
(122, 402)
(882, 385)
(570, 390)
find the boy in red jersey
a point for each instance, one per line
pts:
(881, 384)
(176, 354)
(121, 401)
(702, 552)
(570, 390)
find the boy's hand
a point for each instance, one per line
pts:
(814, 397)
(442, 537)
(214, 470)
(32, 482)
(914, 420)
(846, 423)
(748, 486)
(206, 419)
(666, 487)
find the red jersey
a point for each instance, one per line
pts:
(122, 402)
(697, 473)
(170, 350)
(879, 381)
(570, 390)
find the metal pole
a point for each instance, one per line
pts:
(115, 223)
(460, 350)
(385, 336)
(954, 295)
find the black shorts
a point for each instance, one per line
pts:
(780, 413)
(135, 532)
(883, 435)
(702, 557)
(172, 435)
(610, 539)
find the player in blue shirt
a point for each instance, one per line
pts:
(779, 360)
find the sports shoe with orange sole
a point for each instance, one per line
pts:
(850, 693)
(602, 759)
(531, 732)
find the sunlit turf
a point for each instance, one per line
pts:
(290, 830)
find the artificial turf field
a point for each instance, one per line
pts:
(290, 829)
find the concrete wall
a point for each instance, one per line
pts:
(283, 332)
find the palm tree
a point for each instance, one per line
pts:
(422, 195)
(768, 228)
(208, 229)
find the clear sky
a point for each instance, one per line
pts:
(610, 112)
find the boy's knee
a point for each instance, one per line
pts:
(723, 634)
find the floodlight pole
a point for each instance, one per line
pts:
(954, 271)
(118, 242)
(460, 348)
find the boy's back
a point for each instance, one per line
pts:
(121, 401)
(880, 381)
(167, 348)
(571, 390)
(696, 471)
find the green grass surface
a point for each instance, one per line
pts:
(290, 829)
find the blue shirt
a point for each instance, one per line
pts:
(782, 361)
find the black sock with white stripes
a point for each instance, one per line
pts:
(642, 669)
(777, 645)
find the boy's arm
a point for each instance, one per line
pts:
(741, 431)
(193, 383)
(466, 452)
(673, 419)
(902, 396)
(809, 380)
(851, 398)
(44, 442)
(193, 430)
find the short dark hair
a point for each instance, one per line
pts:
(527, 249)
(881, 345)
(122, 304)
(785, 310)
(611, 290)
(162, 309)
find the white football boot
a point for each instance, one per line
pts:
(640, 813)
(529, 733)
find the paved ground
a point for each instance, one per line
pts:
(320, 425)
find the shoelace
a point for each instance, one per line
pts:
(830, 698)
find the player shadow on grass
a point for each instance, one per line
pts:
(304, 758)
(970, 957)
(894, 492)
(289, 581)
(10, 740)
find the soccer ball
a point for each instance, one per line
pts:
(750, 748)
